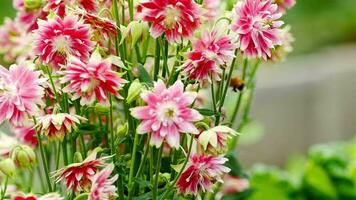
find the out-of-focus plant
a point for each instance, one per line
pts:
(328, 173)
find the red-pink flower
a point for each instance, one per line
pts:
(201, 173)
(285, 4)
(103, 187)
(167, 114)
(211, 8)
(91, 81)
(101, 24)
(59, 6)
(58, 38)
(20, 93)
(213, 49)
(257, 26)
(26, 135)
(78, 176)
(175, 18)
(56, 126)
(215, 140)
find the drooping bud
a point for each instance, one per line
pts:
(32, 4)
(134, 91)
(77, 158)
(8, 167)
(23, 156)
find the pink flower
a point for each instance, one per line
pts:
(201, 173)
(89, 5)
(20, 93)
(58, 38)
(175, 18)
(101, 24)
(50, 196)
(59, 6)
(56, 126)
(258, 28)
(167, 114)
(211, 8)
(91, 81)
(26, 135)
(285, 4)
(78, 176)
(103, 187)
(213, 49)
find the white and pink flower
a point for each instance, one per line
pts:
(201, 173)
(256, 23)
(20, 93)
(167, 114)
(103, 187)
(91, 81)
(176, 19)
(79, 176)
(56, 126)
(57, 39)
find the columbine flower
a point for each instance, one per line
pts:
(201, 173)
(20, 93)
(78, 176)
(176, 18)
(103, 187)
(58, 38)
(209, 52)
(56, 126)
(258, 28)
(215, 139)
(281, 51)
(50, 196)
(167, 114)
(285, 4)
(211, 8)
(26, 135)
(91, 81)
(59, 6)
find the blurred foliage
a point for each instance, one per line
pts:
(328, 173)
(315, 23)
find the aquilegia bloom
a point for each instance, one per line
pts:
(258, 27)
(79, 176)
(103, 187)
(58, 38)
(91, 81)
(175, 18)
(213, 49)
(201, 173)
(167, 114)
(285, 4)
(20, 93)
(56, 126)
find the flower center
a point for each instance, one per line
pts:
(172, 15)
(167, 112)
(61, 45)
(8, 89)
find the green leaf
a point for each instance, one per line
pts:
(83, 196)
(205, 111)
(144, 76)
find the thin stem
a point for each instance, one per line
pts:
(52, 84)
(239, 100)
(3, 192)
(168, 190)
(158, 168)
(213, 96)
(157, 60)
(44, 160)
(222, 101)
(133, 161)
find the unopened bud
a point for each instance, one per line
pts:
(32, 4)
(122, 130)
(77, 158)
(23, 156)
(101, 109)
(8, 167)
(134, 91)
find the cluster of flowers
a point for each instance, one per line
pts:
(87, 83)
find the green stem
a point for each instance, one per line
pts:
(133, 161)
(157, 60)
(52, 84)
(213, 96)
(44, 160)
(239, 100)
(168, 190)
(158, 168)
(223, 96)
(3, 192)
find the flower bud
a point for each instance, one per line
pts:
(77, 158)
(23, 156)
(32, 4)
(8, 167)
(134, 91)
(121, 131)
(101, 109)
